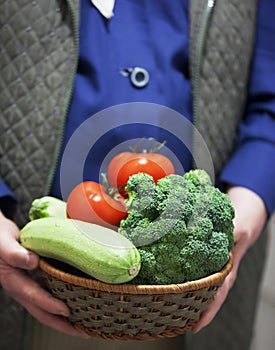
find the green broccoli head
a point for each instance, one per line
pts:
(162, 230)
(168, 184)
(175, 197)
(194, 258)
(148, 267)
(140, 189)
(168, 263)
(200, 229)
(221, 213)
(218, 251)
(133, 219)
(161, 264)
(190, 232)
(198, 177)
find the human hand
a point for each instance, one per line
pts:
(15, 264)
(250, 218)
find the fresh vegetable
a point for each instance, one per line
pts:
(182, 226)
(141, 191)
(90, 202)
(98, 251)
(47, 206)
(148, 161)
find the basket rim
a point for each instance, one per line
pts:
(90, 283)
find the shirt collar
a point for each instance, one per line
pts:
(105, 7)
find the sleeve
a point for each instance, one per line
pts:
(7, 200)
(252, 165)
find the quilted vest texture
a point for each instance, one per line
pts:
(38, 52)
(220, 77)
(38, 56)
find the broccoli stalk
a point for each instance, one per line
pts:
(182, 226)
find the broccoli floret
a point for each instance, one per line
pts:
(219, 251)
(168, 184)
(146, 233)
(133, 219)
(176, 233)
(165, 271)
(167, 264)
(141, 189)
(200, 229)
(194, 257)
(184, 231)
(148, 267)
(175, 197)
(198, 177)
(221, 212)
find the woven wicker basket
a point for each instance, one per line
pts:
(127, 311)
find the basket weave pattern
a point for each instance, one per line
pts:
(137, 312)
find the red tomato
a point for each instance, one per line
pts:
(89, 202)
(126, 164)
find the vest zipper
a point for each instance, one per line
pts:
(68, 97)
(206, 17)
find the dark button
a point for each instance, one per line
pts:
(139, 77)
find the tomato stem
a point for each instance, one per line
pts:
(136, 148)
(153, 146)
(111, 191)
(104, 181)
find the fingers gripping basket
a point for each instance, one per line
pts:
(127, 311)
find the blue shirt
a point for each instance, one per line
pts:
(139, 35)
(154, 35)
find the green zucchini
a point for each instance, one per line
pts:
(47, 206)
(98, 251)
